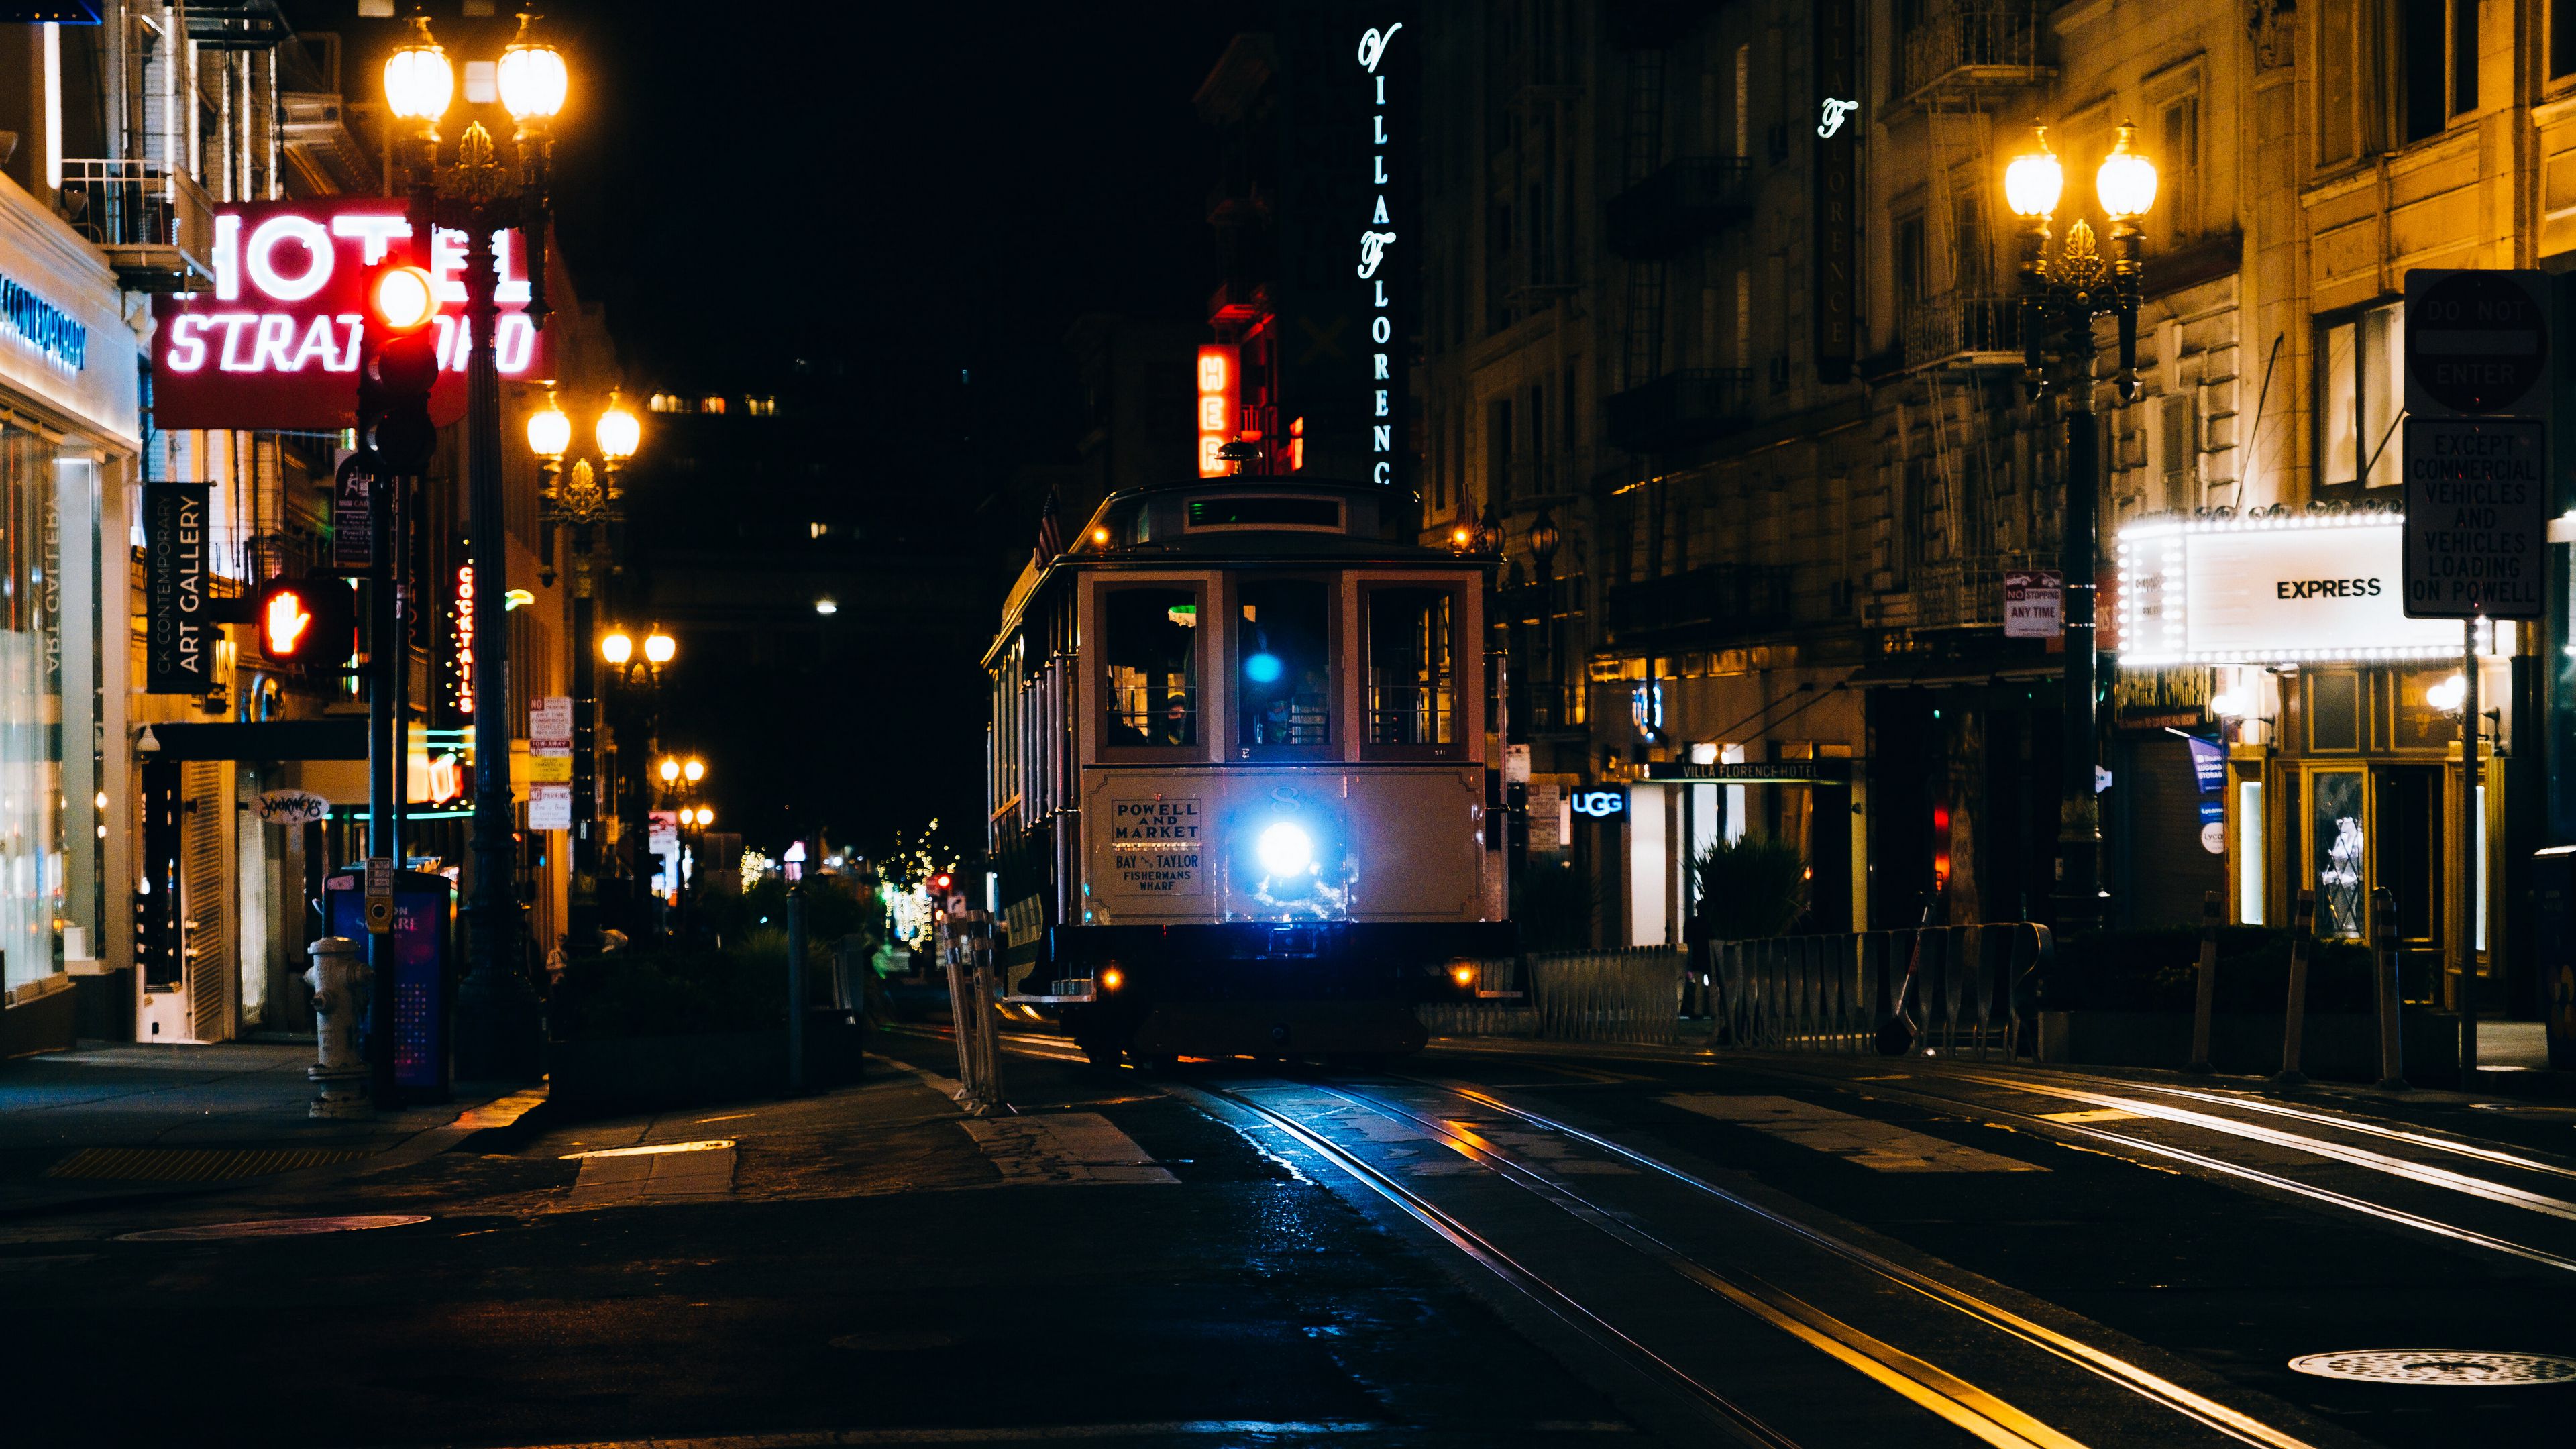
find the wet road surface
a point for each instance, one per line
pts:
(1494, 1243)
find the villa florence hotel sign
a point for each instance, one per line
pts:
(275, 343)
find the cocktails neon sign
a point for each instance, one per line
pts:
(276, 342)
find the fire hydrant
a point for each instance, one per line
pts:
(339, 980)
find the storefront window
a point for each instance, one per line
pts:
(1150, 645)
(1413, 690)
(1283, 662)
(2338, 844)
(47, 529)
(2249, 852)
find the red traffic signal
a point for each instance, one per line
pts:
(940, 883)
(405, 298)
(302, 620)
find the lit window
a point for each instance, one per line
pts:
(713, 405)
(1151, 654)
(2362, 385)
(817, 530)
(1412, 685)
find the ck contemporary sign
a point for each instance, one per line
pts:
(178, 636)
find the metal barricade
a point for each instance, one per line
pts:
(1832, 993)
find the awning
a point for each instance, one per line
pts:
(302, 739)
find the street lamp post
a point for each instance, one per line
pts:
(2060, 299)
(497, 1031)
(638, 671)
(577, 502)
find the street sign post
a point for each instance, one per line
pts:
(2031, 604)
(2477, 516)
(380, 895)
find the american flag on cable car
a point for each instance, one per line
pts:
(1050, 528)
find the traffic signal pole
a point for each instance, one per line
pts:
(384, 769)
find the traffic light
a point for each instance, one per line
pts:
(400, 367)
(940, 884)
(303, 621)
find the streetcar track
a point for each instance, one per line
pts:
(1746, 1426)
(2126, 1374)
(1921, 1383)
(2418, 1138)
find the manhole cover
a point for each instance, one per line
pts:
(2439, 1366)
(274, 1228)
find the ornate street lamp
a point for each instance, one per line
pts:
(578, 502)
(2060, 300)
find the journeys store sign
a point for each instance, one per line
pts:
(2268, 590)
(275, 344)
(1348, 246)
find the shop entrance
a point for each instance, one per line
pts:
(2365, 827)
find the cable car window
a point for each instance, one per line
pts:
(1150, 646)
(1412, 679)
(1283, 662)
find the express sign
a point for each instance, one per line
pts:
(275, 344)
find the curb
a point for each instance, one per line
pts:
(513, 1116)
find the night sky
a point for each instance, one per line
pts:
(917, 201)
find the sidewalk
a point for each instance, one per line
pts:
(115, 1121)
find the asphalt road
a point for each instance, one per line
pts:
(1500, 1246)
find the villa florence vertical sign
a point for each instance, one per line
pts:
(1349, 248)
(1837, 233)
(178, 638)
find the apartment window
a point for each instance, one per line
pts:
(2437, 43)
(1909, 260)
(2360, 392)
(2338, 65)
(2562, 37)
(1972, 256)
(1498, 451)
(2180, 446)
(2178, 167)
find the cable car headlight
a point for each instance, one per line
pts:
(1286, 850)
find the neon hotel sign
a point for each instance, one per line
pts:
(276, 342)
(1375, 237)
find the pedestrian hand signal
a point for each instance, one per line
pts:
(282, 624)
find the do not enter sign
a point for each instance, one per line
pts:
(2477, 343)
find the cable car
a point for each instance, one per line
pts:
(1238, 789)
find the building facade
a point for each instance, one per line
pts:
(1721, 338)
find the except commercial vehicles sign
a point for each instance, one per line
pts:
(2265, 590)
(275, 344)
(2477, 518)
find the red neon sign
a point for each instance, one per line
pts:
(1220, 405)
(275, 342)
(461, 647)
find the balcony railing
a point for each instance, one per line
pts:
(1956, 330)
(1968, 592)
(1689, 200)
(1706, 604)
(152, 220)
(1679, 408)
(1972, 45)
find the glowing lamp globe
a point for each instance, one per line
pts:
(549, 432)
(2034, 181)
(419, 83)
(617, 646)
(670, 772)
(532, 79)
(695, 769)
(659, 647)
(618, 432)
(1263, 668)
(2127, 181)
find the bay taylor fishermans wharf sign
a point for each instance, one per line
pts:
(1154, 846)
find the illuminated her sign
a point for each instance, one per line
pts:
(2271, 589)
(1375, 237)
(1220, 407)
(275, 344)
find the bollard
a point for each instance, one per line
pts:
(2294, 1018)
(796, 988)
(339, 980)
(2206, 1001)
(2383, 946)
